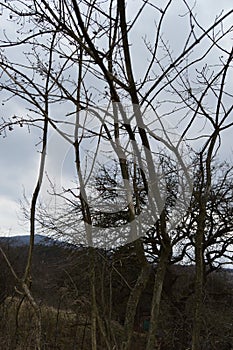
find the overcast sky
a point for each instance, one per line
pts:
(19, 151)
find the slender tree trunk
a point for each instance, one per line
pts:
(92, 279)
(201, 198)
(135, 295)
(133, 303)
(158, 286)
(199, 277)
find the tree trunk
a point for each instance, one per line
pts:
(199, 275)
(157, 293)
(133, 303)
(92, 279)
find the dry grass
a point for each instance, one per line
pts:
(61, 329)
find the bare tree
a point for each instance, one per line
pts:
(74, 56)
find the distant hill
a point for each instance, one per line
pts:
(18, 241)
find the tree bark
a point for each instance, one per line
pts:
(199, 276)
(158, 284)
(133, 303)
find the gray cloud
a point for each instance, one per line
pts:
(19, 157)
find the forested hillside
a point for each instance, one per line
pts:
(61, 288)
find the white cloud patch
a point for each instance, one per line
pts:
(9, 217)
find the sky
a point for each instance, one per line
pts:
(20, 150)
